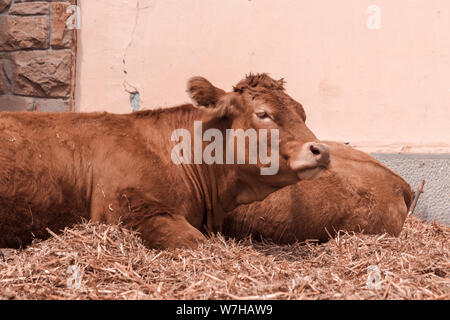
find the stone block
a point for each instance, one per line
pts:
(42, 73)
(23, 32)
(4, 4)
(62, 36)
(10, 103)
(5, 77)
(29, 8)
(52, 105)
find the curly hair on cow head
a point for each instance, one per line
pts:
(262, 80)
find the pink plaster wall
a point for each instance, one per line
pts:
(384, 90)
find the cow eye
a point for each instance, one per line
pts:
(263, 115)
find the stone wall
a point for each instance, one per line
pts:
(434, 203)
(37, 56)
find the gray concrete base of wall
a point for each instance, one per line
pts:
(434, 203)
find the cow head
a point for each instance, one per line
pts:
(260, 102)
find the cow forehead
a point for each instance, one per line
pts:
(262, 80)
(261, 91)
(277, 101)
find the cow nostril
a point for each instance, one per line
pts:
(321, 153)
(311, 156)
(315, 150)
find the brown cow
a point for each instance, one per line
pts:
(357, 193)
(56, 168)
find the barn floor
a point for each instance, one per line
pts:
(112, 263)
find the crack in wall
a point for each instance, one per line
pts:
(129, 88)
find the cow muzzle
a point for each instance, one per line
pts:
(312, 159)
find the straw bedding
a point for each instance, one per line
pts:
(112, 263)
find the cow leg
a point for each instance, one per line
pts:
(166, 231)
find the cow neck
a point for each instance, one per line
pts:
(217, 183)
(224, 187)
(211, 188)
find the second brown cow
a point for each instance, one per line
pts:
(356, 194)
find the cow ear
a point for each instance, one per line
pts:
(203, 93)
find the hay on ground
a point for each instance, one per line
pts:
(94, 261)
